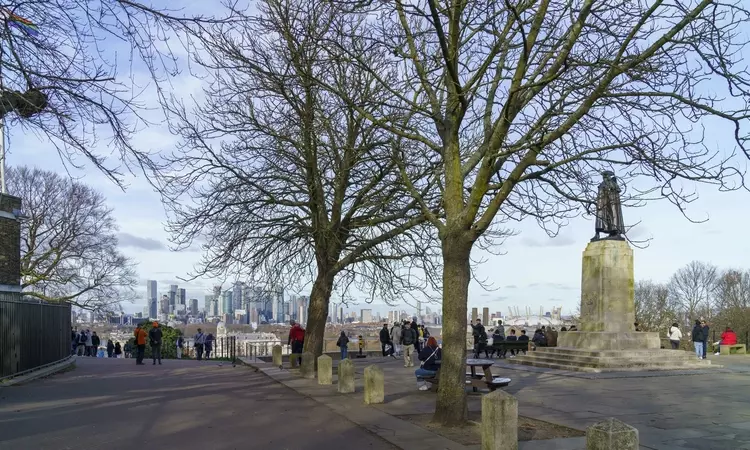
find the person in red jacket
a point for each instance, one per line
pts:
(728, 337)
(296, 339)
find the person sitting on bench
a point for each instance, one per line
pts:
(431, 356)
(497, 336)
(728, 337)
(522, 338)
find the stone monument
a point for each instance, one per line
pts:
(607, 340)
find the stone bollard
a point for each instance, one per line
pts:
(277, 356)
(294, 360)
(325, 369)
(611, 434)
(307, 369)
(346, 376)
(499, 421)
(374, 385)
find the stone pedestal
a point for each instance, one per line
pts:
(294, 361)
(346, 377)
(277, 356)
(608, 340)
(607, 287)
(325, 370)
(611, 435)
(374, 385)
(307, 369)
(499, 421)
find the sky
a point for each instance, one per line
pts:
(534, 271)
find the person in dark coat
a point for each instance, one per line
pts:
(343, 344)
(431, 356)
(110, 348)
(155, 338)
(385, 341)
(697, 337)
(414, 327)
(118, 350)
(704, 329)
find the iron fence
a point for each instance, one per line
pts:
(33, 333)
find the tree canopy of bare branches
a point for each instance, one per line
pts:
(693, 286)
(69, 244)
(75, 81)
(521, 105)
(284, 181)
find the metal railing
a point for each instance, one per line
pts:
(33, 333)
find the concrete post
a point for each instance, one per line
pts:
(611, 434)
(307, 369)
(325, 369)
(499, 421)
(294, 360)
(374, 385)
(346, 376)
(277, 356)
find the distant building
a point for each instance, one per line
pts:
(366, 316)
(172, 296)
(151, 298)
(194, 306)
(182, 296)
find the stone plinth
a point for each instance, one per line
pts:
(325, 369)
(374, 385)
(346, 377)
(307, 369)
(602, 340)
(611, 435)
(294, 360)
(277, 355)
(607, 287)
(499, 421)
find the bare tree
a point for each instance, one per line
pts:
(693, 287)
(522, 104)
(68, 243)
(732, 290)
(282, 179)
(655, 309)
(72, 75)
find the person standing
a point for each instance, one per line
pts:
(209, 345)
(385, 341)
(180, 345)
(342, 344)
(296, 340)
(81, 338)
(90, 344)
(155, 337)
(110, 348)
(396, 338)
(674, 336)
(697, 338)
(199, 340)
(128, 349)
(140, 344)
(480, 338)
(415, 329)
(408, 339)
(95, 341)
(118, 350)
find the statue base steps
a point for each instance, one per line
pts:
(588, 360)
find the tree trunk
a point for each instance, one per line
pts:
(451, 407)
(317, 313)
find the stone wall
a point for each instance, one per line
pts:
(10, 242)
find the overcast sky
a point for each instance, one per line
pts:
(535, 271)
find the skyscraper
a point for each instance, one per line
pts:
(151, 298)
(366, 316)
(226, 303)
(194, 306)
(172, 296)
(182, 296)
(237, 290)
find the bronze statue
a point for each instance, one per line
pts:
(609, 209)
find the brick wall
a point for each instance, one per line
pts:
(10, 241)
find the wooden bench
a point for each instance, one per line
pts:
(737, 349)
(504, 346)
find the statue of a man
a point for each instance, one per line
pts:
(608, 208)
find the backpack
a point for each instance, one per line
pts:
(82, 338)
(408, 336)
(482, 337)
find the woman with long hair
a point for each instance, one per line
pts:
(431, 356)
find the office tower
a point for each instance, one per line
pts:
(172, 296)
(151, 296)
(237, 292)
(182, 295)
(164, 305)
(226, 302)
(194, 306)
(207, 303)
(366, 316)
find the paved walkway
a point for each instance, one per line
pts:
(672, 411)
(115, 405)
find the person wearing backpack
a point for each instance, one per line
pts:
(408, 340)
(342, 344)
(155, 337)
(180, 346)
(140, 344)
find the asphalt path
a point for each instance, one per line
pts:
(113, 404)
